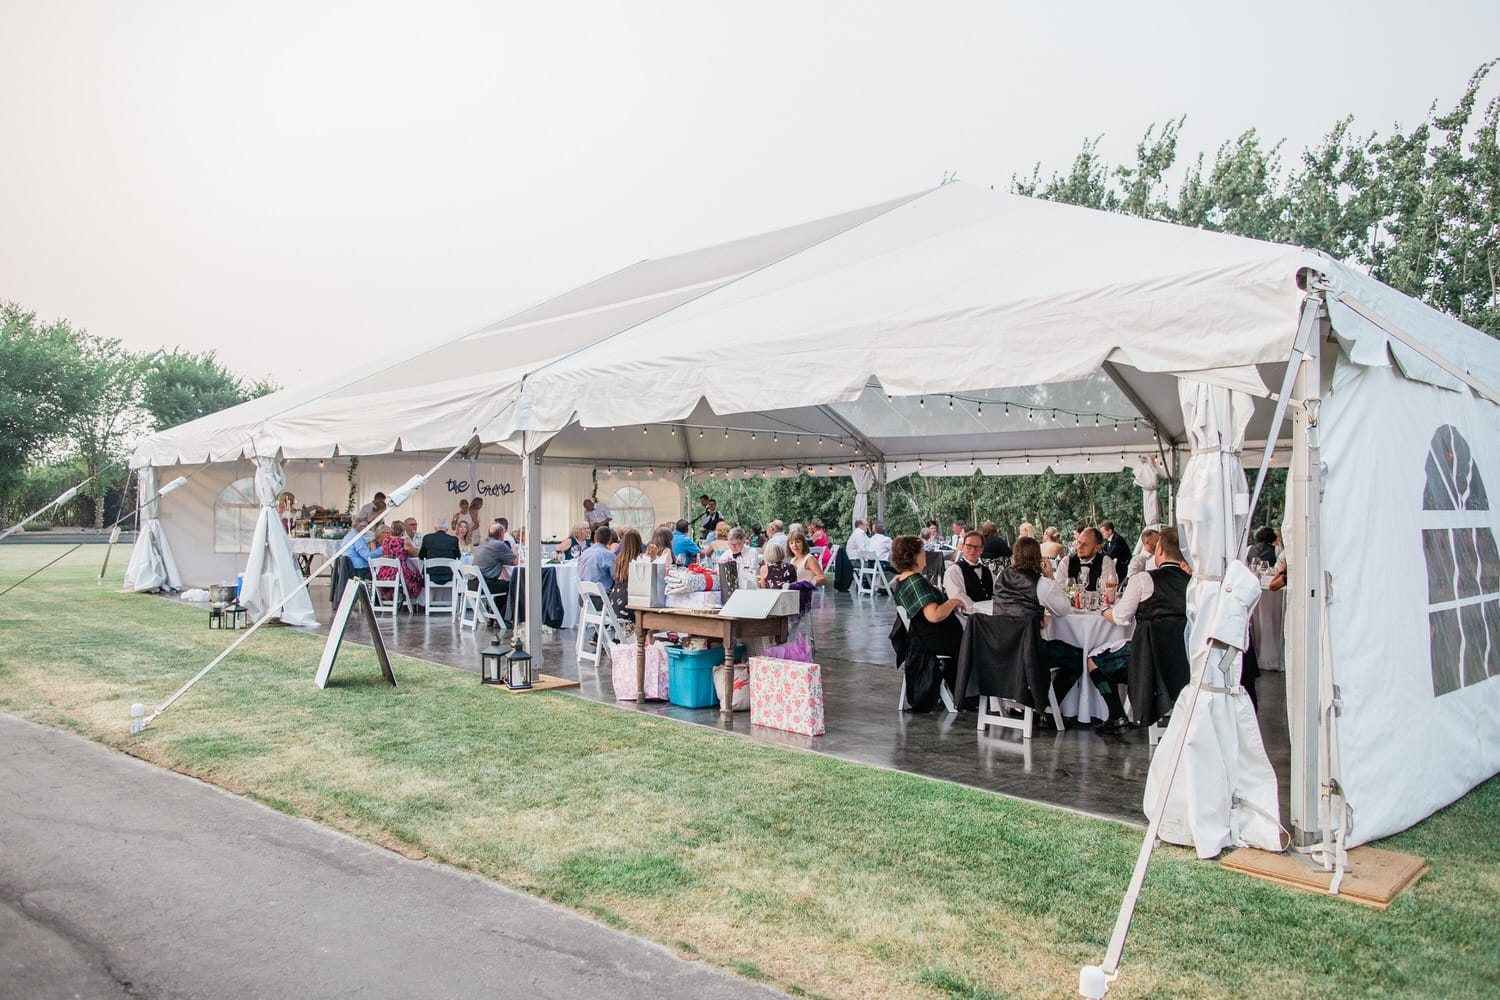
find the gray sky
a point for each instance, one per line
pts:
(298, 184)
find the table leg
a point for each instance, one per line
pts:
(726, 703)
(640, 658)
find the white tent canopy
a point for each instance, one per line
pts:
(979, 329)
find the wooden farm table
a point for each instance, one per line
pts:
(707, 623)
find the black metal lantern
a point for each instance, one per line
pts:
(237, 616)
(491, 662)
(216, 616)
(518, 668)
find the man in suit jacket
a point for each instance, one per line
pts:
(438, 544)
(1115, 547)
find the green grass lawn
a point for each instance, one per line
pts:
(820, 876)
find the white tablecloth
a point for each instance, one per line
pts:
(1266, 629)
(1092, 633)
(567, 589)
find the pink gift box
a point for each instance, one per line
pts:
(786, 695)
(622, 671)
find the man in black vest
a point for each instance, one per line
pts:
(1156, 603)
(711, 516)
(967, 578)
(1091, 555)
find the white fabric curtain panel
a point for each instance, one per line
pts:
(271, 572)
(864, 478)
(151, 565)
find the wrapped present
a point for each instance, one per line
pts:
(705, 600)
(622, 671)
(740, 700)
(786, 695)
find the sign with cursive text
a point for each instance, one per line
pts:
(481, 487)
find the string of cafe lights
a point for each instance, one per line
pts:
(754, 433)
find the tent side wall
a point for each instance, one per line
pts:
(199, 518)
(1414, 613)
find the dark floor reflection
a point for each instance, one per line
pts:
(1076, 769)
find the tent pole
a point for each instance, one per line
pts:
(1304, 625)
(531, 477)
(880, 492)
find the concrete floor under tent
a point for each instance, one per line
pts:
(1077, 769)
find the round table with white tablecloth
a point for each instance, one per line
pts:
(1091, 632)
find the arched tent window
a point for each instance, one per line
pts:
(629, 507)
(1463, 567)
(235, 513)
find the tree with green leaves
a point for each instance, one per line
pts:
(181, 386)
(106, 416)
(41, 381)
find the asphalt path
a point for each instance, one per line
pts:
(119, 879)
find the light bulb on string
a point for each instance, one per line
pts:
(922, 402)
(1054, 416)
(950, 402)
(979, 410)
(830, 470)
(643, 430)
(700, 433)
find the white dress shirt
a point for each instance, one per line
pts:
(858, 546)
(1137, 589)
(1141, 562)
(880, 547)
(598, 515)
(1052, 596)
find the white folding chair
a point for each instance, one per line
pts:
(945, 692)
(478, 604)
(430, 589)
(992, 713)
(598, 612)
(865, 571)
(396, 585)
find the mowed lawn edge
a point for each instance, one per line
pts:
(820, 876)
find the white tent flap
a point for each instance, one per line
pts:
(271, 571)
(151, 565)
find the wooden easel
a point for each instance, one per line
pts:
(354, 594)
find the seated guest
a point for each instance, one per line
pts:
(1026, 530)
(995, 545)
(757, 535)
(799, 554)
(818, 539)
(1145, 559)
(967, 579)
(572, 546)
(505, 535)
(597, 563)
(683, 546)
(932, 618)
(1090, 556)
(462, 515)
(776, 573)
(1023, 589)
(776, 532)
(1264, 548)
(465, 537)
(930, 540)
(742, 555)
(630, 551)
(717, 544)
(880, 547)
(660, 549)
(412, 534)
(395, 545)
(956, 536)
(858, 546)
(438, 544)
(359, 553)
(1052, 546)
(1156, 602)
(494, 559)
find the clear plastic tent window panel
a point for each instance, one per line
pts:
(1463, 567)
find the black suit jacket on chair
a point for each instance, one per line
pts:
(439, 545)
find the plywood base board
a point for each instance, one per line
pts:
(542, 682)
(1373, 878)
